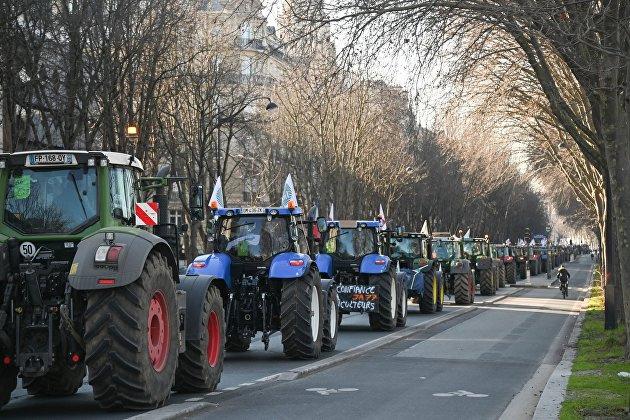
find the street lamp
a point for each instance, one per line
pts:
(132, 131)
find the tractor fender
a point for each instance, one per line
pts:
(483, 263)
(281, 267)
(217, 265)
(460, 267)
(369, 264)
(196, 287)
(137, 244)
(325, 264)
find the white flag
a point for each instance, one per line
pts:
(289, 197)
(216, 199)
(331, 213)
(381, 216)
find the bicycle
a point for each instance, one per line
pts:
(564, 288)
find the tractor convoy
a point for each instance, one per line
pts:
(90, 282)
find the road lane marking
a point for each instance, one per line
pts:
(460, 393)
(329, 391)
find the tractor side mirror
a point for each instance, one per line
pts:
(211, 229)
(322, 226)
(293, 231)
(197, 208)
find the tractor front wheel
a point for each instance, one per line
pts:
(429, 298)
(8, 382)
(302, 316)
(502, 276)
(384, 318)
(131, 337)
(486, 284)
(200, 367)
(329, 341)
(510, 273)
(461, 289)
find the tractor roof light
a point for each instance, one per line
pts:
(291, 205)
(214, 204)
(229, 213)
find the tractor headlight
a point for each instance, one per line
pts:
(229, 213)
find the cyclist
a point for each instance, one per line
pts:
(564, 276)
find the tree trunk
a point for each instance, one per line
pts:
(610, 265)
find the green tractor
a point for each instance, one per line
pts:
(522, 261)
(477, 250)
(81, 286)
(457, 270)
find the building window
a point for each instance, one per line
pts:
(176, 217)
(246, 66)
(246, 31)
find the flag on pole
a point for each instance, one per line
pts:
(381, 217)
(289, 197)
(331, 212)
(532, 243)
(425, 228)
(508, 242)
(216, 199)
(467, 234)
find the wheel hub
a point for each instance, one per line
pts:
(158, 331)
(214, 339)
(314, 313)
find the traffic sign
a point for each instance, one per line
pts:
(146, 214)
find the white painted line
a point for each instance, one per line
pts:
(232, 388)
(246, 384)
(210, 394)
(194, 399)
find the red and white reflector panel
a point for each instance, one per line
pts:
(146, 214)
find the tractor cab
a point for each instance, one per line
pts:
(504, 252)
(475, 248)
(350, 246)
(410, 249)
(447, 248)
(55, 198)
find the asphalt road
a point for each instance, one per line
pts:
(469, 367)
(490, 351)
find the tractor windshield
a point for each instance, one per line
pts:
(503, 251)
(253, 238)
(350, 243)
(58, 200)
(406, 248)
(473, 249)
(446, 250)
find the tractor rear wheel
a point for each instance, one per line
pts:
(200, 366)
(523, 271)
(60, 381)
(428, 300)
(401, 308)
(486, 284)
(302, 316)
(502, 276)
(131, 337)
(510, 273)
(461, 289)
(384, 319)
(8, 382)
(329, 340)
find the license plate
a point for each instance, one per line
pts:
(252, 210)
(51, 159)
(357, 298)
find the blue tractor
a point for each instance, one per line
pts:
(351, 254)
(268, 278)
(418, 268)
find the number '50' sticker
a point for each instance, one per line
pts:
(27, 249)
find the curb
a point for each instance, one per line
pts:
(553, 395)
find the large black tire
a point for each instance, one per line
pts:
(384, 318)
(461, 289)
(200, 366)
(502, 276)
(331, 323)
(510, 273)
(401, 306)
(486, 283)
(60, 381)
(297, 316)
(8, 382)
(440, 296)
(428, 300)
(523, 271)
(117, 338)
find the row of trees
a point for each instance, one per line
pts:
(575, 56)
